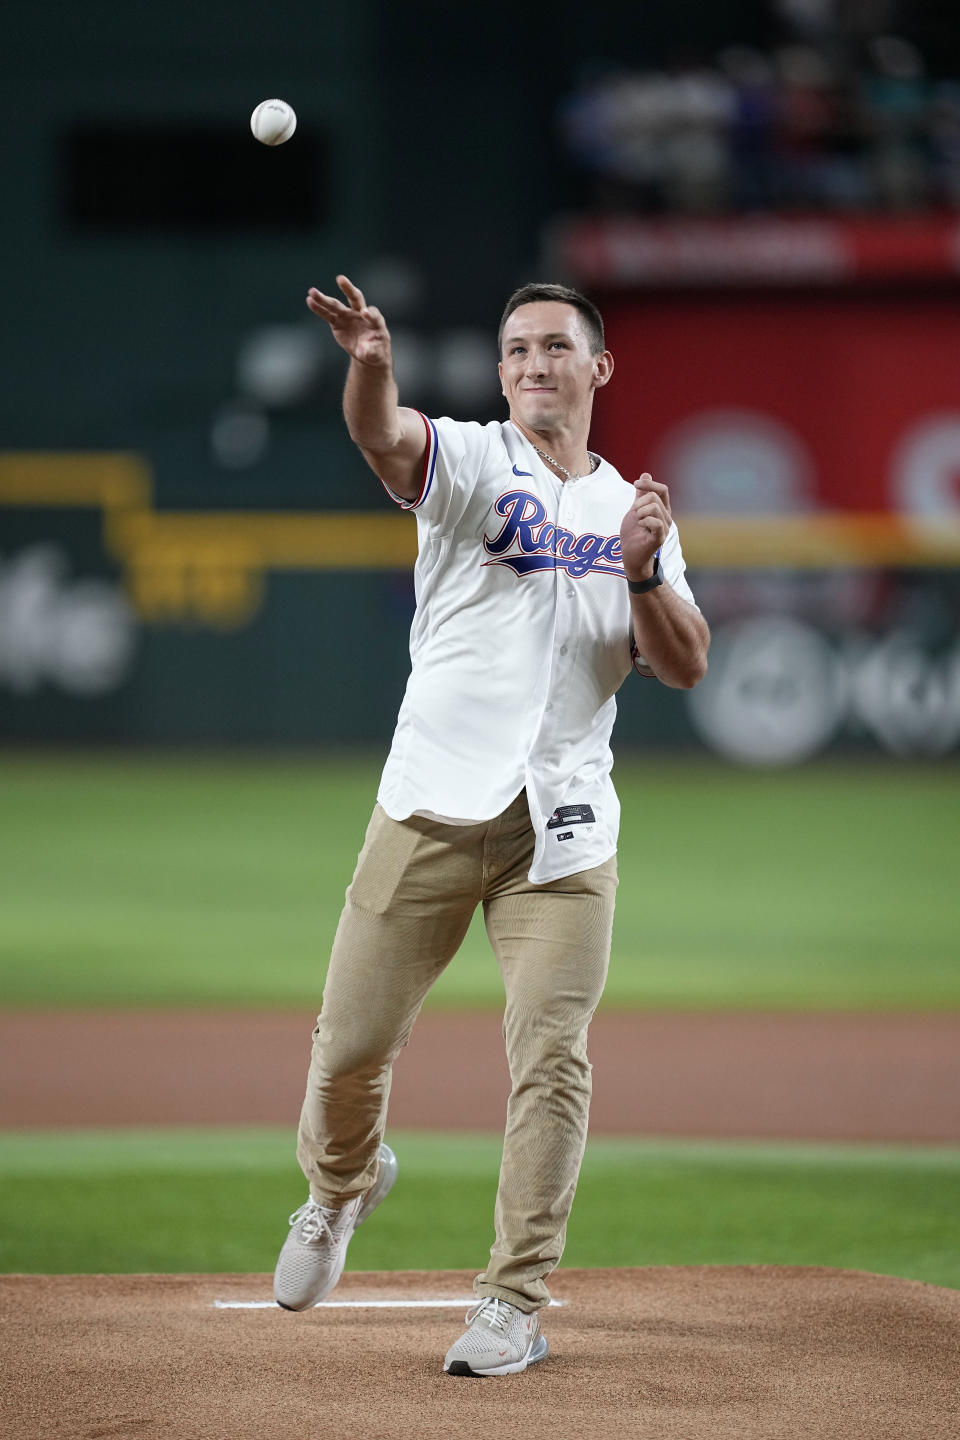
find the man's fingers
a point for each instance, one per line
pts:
(352, 292)
(326, 305)
(647, 484)
(651, 505)
(358, 328)
(652, 520)
(335, 312)
(651, 517)
(331, 300)
(651, 500)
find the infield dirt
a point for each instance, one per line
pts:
(653, 1354)
(882, 1077)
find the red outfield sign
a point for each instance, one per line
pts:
(624, 251)
(774, 404)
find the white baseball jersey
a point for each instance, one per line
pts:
(521, 637)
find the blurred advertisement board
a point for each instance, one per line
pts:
(811, 445)
(784, 404)
(804, 661)
(625, 251)
(119, 621)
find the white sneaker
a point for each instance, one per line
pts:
(315, 1251)
(501, 1340)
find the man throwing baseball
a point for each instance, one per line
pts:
(542, 578)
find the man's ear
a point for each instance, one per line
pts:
(602, 369)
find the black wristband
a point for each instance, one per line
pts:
(640, 587)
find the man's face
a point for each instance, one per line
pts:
(548, 372)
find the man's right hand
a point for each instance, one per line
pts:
(357, 327)
(393, 440)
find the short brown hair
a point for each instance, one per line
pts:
(563, 295)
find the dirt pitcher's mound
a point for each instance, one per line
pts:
(695, 1354)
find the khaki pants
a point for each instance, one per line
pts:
(416, 886)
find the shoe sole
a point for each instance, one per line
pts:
(539, 1352)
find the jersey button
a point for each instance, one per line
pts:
(563, 649)
(569, 592)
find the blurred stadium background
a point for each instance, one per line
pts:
(204, 605)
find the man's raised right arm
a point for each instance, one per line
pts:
(393, 440)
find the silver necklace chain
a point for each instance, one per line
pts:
(594, 462)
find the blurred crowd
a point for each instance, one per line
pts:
(839, 114)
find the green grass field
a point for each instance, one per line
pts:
(218, 881)
(214, 1201)
(215, 881)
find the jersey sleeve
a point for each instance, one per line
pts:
(452, 463)
(674, 569)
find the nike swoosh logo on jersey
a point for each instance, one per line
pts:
(528, 473)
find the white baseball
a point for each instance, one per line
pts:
(273, 122)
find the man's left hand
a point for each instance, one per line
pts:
(644, 527)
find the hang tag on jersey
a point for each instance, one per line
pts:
(566, 815)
